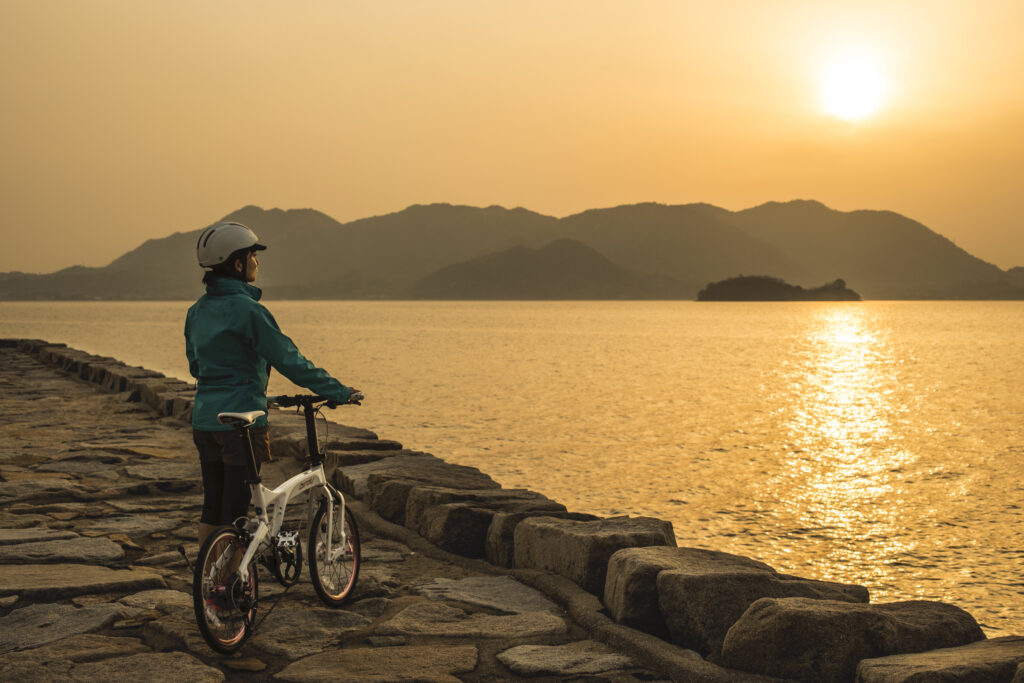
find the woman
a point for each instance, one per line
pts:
(232, 341)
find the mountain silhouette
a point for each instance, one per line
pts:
(887, 255)
(649, 251)
(563, 269)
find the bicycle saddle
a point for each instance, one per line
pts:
(240, 419)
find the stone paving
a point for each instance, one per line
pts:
(96, 494)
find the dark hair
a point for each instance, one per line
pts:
(226, 268)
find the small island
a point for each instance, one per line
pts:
(765, 288)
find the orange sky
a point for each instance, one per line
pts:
(124, 120)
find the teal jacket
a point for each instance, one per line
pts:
(232, 341)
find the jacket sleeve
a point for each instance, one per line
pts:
(282, 354)
(190, 350)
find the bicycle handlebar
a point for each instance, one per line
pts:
(311, 400)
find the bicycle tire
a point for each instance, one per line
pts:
(334, 582)
(224, 610)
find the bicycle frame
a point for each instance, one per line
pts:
(279, 497)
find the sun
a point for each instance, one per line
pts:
(852, 86)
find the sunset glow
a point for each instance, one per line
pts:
(126, 121)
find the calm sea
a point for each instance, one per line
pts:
(877, 442)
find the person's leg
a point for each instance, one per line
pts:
(213, 495)
(236, 493)
(212, 468)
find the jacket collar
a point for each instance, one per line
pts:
(223, 286)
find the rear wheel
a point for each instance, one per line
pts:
(333, 572)
(225, 606)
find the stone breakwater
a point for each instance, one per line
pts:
(462, 579)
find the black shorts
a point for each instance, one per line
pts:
(229, 447)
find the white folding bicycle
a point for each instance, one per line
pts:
(225, 589)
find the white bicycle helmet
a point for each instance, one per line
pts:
(218, 242)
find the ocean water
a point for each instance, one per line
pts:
(877, 443)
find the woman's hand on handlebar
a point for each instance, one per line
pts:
(354, 399)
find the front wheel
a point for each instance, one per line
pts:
(333, 570)
(225, 607)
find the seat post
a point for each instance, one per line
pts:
(254, 471)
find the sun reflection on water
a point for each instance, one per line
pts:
(838, 478)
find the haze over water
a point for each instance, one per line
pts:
(874, 443)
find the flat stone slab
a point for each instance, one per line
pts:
(26, 490)
(986, 660)
(76, 549)
(580, 551)
(495, 592)
(824, 640)
(55, 661)
(384, 665)
(572, 659)
(152, 599)
(134, 525)
(77, 465)
(8, 536)
(10, 521)
(436, 619)
(298, 633)
(36, 625)
(165, 470)
(58, 581)
(157, 667)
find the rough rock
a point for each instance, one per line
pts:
(499, 546)
(370, 481)
(631, 592)
(33, 535)
(695, 595)
(36, 625)
(294, 634)
(385, 665)
(580, 551)
(77, 549)
(986, 661)
(1019, 676)
(158, 667)
(820, 640)
(57, 581)
(458, 520)
(502, 593)
(572, 659)
(435, 619)
(288, 437)
(134, 525)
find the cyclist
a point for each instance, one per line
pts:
(232, 341)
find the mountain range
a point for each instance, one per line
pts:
(639, 251)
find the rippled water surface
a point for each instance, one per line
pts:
(877, 443)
